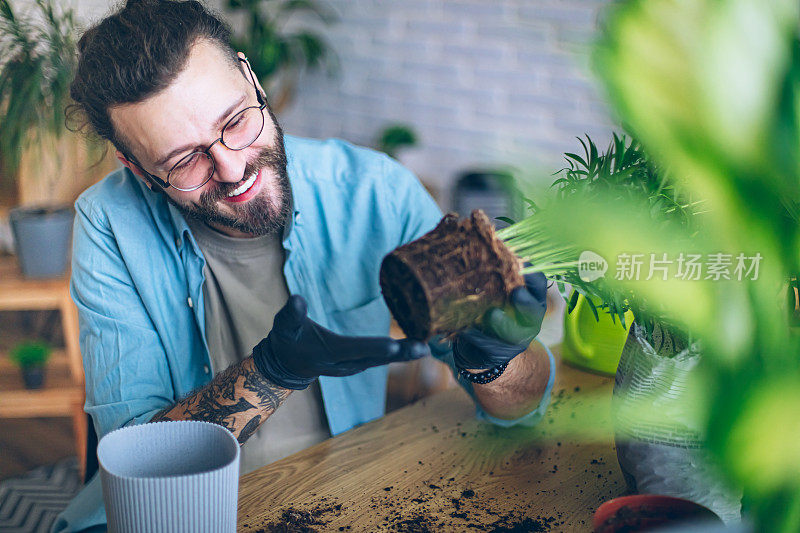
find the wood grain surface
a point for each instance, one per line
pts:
(433, 467)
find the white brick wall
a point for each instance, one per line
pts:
(482, 81)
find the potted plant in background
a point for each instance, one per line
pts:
(655, 358)
(278, 46)
(392, 139)
(30, 357)
(594, 340)
(48, 165)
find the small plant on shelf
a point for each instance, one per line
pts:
(31, 357)
(392, 139)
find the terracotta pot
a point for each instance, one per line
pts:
(644, 512)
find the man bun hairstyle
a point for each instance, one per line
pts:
(136, 52)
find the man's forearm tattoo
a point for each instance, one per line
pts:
(238, 399)
(249, 429)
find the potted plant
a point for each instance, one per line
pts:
(646, 512)
(39, 57)
(31, 357)
(656, 358)
(278, 47)
(394, 138)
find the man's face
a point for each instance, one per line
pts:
(188, 116)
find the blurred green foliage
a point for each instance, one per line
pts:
(712, 90)
(38, 57)
(30, 354)
(280, 43)
(395, 137)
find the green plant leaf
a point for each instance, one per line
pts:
(29, 354)
(593, 307)
(38, 65)
(577, 158)
(573, 301)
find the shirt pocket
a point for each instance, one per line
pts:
(369, 319)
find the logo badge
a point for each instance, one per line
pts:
(591, 266)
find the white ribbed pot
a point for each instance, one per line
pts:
(170, 477)
(667, 457)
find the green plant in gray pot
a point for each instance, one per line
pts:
(39, 54)
(30, 357)
(665, 454)
(662, 455)
(712, 89)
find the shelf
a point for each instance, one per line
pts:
(58, 397)
(58, 361)
(18, 293)
(44, 402)
(63, 391)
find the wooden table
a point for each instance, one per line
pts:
(432, 466)
(63, 391)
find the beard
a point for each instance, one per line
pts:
(264, 214)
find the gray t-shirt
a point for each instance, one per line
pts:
(244, 289)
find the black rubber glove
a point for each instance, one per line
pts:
(504, 336)
(298, 350)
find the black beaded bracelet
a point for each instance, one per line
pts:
(482, 378)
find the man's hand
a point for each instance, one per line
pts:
(505, 334)
(298, 350)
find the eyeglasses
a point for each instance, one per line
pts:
(195, 170)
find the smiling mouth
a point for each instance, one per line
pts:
(244, 187)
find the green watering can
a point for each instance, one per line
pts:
(591, 344)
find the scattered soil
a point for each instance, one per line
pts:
(416, 524)
(295, 520)
(428, 512)
(510, 524)
(441, 503)
(445, 281)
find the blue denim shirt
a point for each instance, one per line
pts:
(137, 278)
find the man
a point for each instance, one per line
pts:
(219, 232)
